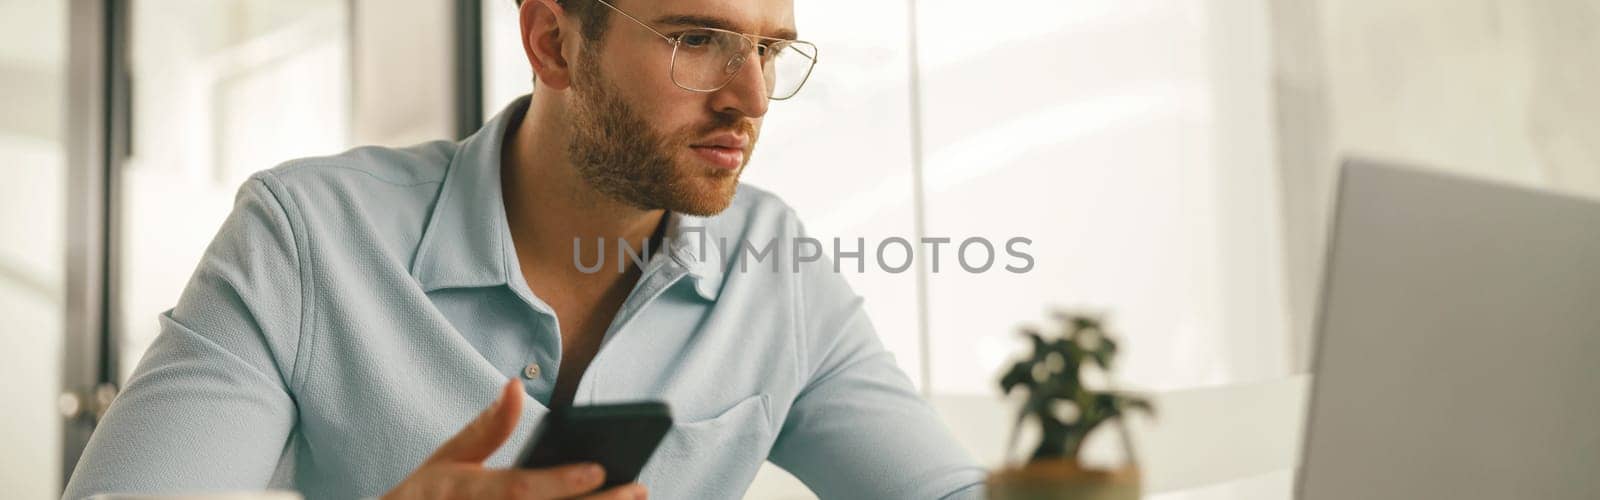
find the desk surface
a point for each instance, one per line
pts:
(1235, 442)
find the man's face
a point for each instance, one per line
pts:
(639, 138)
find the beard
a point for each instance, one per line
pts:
(618, 154)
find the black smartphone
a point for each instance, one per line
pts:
(619, 437)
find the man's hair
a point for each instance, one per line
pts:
(591, 16)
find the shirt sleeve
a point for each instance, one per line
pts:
(858, 429)
(208, 407)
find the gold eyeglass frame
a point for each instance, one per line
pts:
(755, 42)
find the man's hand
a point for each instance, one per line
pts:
(456, 470)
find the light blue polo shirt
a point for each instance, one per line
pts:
(356, 310)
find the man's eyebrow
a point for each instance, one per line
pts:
(717, 22)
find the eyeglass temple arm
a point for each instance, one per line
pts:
(636, 20)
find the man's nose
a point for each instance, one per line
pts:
(746, 93)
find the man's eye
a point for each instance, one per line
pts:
(772, 49)
(695, 40)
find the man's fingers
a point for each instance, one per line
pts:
(481, 437)
(566, 481)
(630, 491)
(456, 469)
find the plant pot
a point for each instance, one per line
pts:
(1063, 479)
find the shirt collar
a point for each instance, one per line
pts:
(467, 242)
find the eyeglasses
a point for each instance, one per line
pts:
(706, 59)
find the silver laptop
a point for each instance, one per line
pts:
(1458, 347)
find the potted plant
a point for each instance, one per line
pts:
(1068, 411)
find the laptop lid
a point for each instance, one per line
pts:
(1458, 351)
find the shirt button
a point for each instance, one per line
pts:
(531, 371)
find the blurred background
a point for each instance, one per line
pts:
(1172, 160)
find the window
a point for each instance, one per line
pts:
(33, 55)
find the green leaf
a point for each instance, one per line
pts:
(1019, 374)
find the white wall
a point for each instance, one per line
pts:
(1503, 89)
(403, 53)
(1131, 141)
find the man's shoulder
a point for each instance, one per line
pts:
(415, 165)
(370, 195)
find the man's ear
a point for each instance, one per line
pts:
(544, 23)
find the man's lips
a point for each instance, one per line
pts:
(723, 150)
(725, 140)
(724, 157)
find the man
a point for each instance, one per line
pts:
(354, 310)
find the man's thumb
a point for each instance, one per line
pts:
(481, 437)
